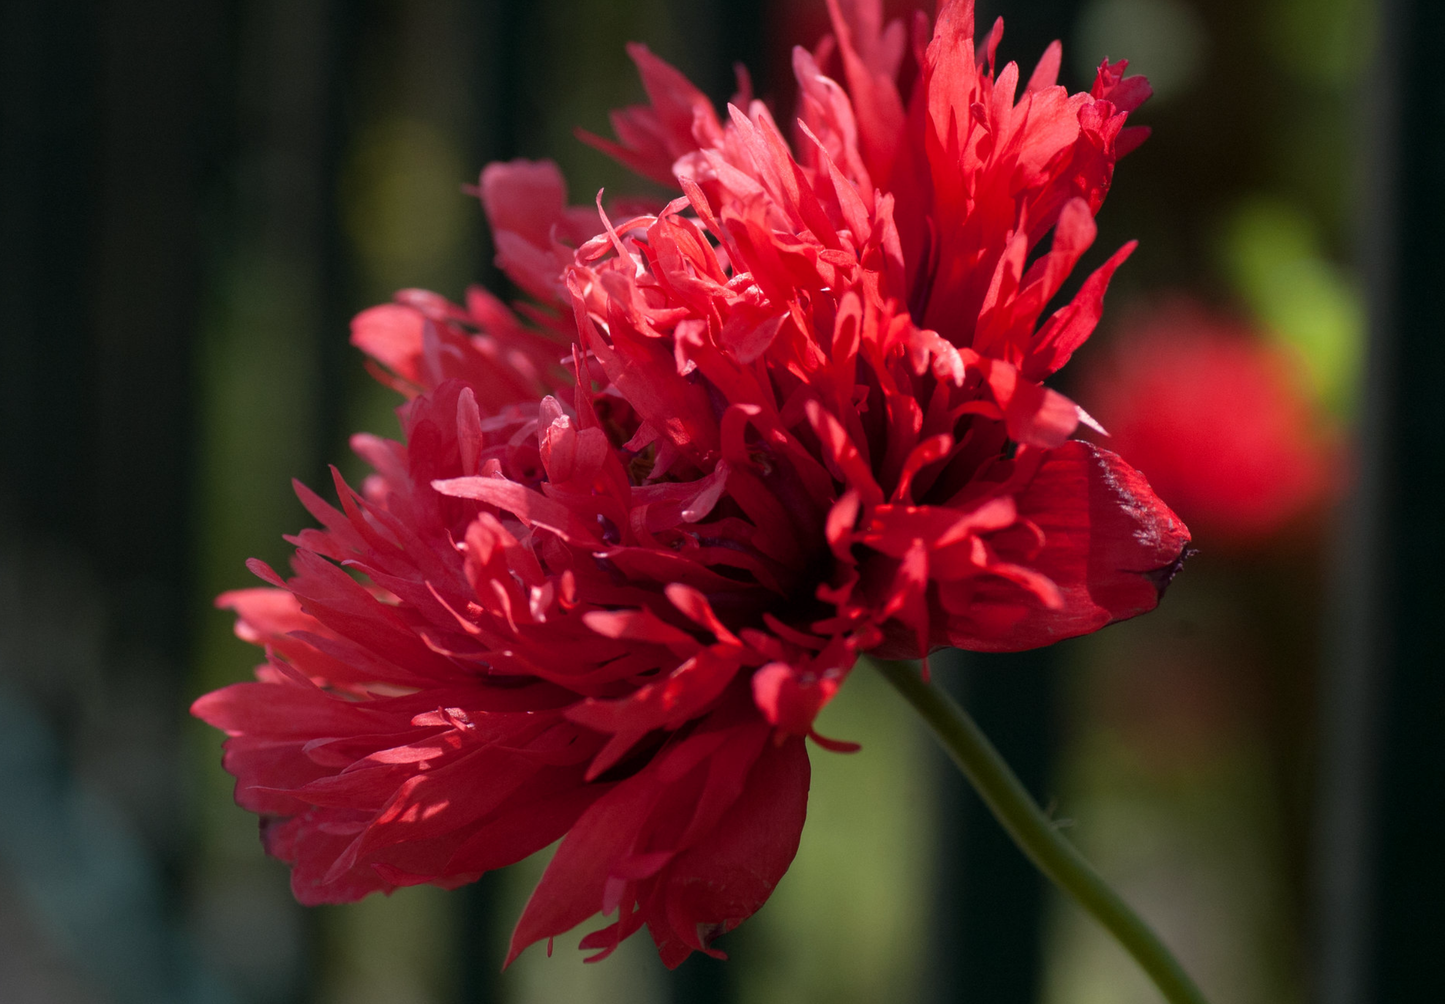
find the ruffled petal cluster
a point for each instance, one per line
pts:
(640, 529)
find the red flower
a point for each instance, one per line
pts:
(799, 416)
(1220, 422)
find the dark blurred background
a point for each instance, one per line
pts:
(196, 196)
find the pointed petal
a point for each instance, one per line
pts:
(1110, 546)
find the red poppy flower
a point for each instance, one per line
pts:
(799, 415)
(1219, 420)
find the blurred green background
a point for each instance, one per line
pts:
(196, 196)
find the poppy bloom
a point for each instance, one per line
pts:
(641, 528)
(1219, 420)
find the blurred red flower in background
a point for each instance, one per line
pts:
(1220, 422)
(637, 536)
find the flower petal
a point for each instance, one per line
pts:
(1110, 546)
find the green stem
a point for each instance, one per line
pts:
(1034, 832)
